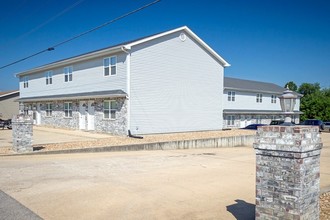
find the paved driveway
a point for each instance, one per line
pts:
(181, 184)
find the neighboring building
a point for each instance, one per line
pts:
(249, 102)
(168, 82)
(8, 106)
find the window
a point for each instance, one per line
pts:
(109, 109)
(231, 96)
(259, 97)
(230, 120)
(26, 82)
(110, 66)
(68, 109)
(67, 74)
(273, 99)
(49, 77)
(49, 109)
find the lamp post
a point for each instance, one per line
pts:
(288, 101)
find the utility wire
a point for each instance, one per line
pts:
(84, 33)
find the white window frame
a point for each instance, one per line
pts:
(259, 98)
(110, 66)
(230, 120)
(49, 77)
(68, 109)
(110, 112)
(68, 72)
(49, 109)
(231, 96)
(273, 99)
(25, 82)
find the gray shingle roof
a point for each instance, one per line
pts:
(85, 95)
(253, 86)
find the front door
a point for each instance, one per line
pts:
(91, 116)
(82, 115)
(243, 122)
(36, 113)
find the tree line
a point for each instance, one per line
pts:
(315, 102)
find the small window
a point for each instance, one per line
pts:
(49, 109)
(26, 82)
(68, 74)
(68, 109)
(230, 120)
(273, 100)
(109, 109)
(49, 77)
(110, 66)
(231, 96)
(259, 98)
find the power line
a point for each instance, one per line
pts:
(83, 33)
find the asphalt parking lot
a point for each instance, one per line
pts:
(180, 184)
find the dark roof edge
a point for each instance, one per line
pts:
(73, 96)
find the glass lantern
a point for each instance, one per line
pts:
(288, 101)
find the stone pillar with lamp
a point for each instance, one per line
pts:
(287, 168)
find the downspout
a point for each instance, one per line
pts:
(128, 85)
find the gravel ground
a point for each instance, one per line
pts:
(325, 206)
(123, 140)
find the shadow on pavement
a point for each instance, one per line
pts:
(242, 210)
(12, 209)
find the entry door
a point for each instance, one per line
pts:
(36, 113)
(91, 116)
(82, 115)
(243, 122)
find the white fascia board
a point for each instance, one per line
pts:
(72, 60)
(192, 34)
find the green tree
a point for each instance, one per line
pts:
(291, 85)
(309, 88)
(315, 102)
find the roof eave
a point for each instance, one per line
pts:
(10, 93)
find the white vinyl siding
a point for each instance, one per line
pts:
(68, 74)
(176, 86)
(68, 109)
(88, 76)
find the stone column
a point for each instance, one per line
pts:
(22, 128)
(287, 172)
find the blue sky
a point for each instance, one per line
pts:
(266, 40)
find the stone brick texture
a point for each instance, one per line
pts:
(287, 172)
(22, 130)
(116, 126)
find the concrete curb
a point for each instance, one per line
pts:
(233, 141)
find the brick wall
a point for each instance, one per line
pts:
(287, 172)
